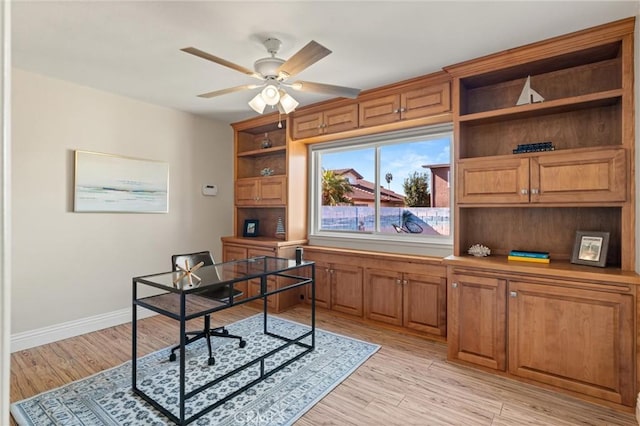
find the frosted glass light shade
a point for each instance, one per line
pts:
(270, 95)
(287, 103)
(258, 104)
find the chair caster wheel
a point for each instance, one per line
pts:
(225, 332)
(211, 361)
(172, 357)
(243, 343)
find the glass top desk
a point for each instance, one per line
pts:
(180, 298)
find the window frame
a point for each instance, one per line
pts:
(402, 243)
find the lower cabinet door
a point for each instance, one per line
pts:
(323, 286)
(346, 289)
(477, 320)
(383, 296)
(576, 339)
(425, 303)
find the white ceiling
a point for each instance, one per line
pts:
(133, 48)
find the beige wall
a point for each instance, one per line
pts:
(68, 266)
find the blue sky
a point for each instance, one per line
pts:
(401, 160)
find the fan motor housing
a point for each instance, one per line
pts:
(268, 67)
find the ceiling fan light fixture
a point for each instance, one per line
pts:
(287, 103)
(257, 103)
(270, 95)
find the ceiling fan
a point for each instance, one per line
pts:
(274, 73)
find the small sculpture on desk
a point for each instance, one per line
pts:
(266, 171)
(188, 273)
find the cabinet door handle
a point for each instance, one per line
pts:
(398, 282)
(535, 191)
(396, 111)
(454, 285)
(403, 109)
(405, 282)
(524, 191)
(513, 293)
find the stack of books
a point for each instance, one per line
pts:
(529, 256)
(534, 147)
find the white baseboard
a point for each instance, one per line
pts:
(41, 336)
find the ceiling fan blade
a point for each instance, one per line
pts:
(204, 55)
(228, 90)
(305, 57)
(329, 89)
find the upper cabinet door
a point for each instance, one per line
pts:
(307, 125)
(425, 101)
(495, 181)
(340, 119)
(591, 176)
(382, 110)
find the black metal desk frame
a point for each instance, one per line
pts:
(244, 270)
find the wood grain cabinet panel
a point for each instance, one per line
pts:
(332, 120)
(577, 339)
(493, 181)
(264, 191)
(425, 303)
(578, 176)
(477, 320)
(346, 289)
(592, 176)
(236, 249)
(414, 301)
(383, 295)
(323, 286)
(409, 104)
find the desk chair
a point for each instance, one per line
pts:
(220, 294)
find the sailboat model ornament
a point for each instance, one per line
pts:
(528, 95)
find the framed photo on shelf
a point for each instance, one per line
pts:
(250, 228)
(590, 248)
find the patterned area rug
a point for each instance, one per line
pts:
(106, 398)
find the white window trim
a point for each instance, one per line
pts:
(400, 243)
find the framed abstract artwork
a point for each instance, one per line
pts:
(112, 183)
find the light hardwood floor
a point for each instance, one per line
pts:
(407, 382)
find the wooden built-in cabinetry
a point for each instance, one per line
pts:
(566, 326)
(270, 183)
(397, 290)
(410, 300)
(411, 103)
(575, 332)
(234, 248)
(270, 186)
(327, 120)
(586, 183)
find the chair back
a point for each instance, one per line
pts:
(193, 258)
(220, 293)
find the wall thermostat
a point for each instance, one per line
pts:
(209, 189)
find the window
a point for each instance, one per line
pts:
(392, 186)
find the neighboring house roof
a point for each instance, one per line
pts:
(341, 172)
(364, 190)
(436, 166)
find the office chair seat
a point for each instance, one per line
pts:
(220, 294)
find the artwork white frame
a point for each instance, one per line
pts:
(113, 183)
